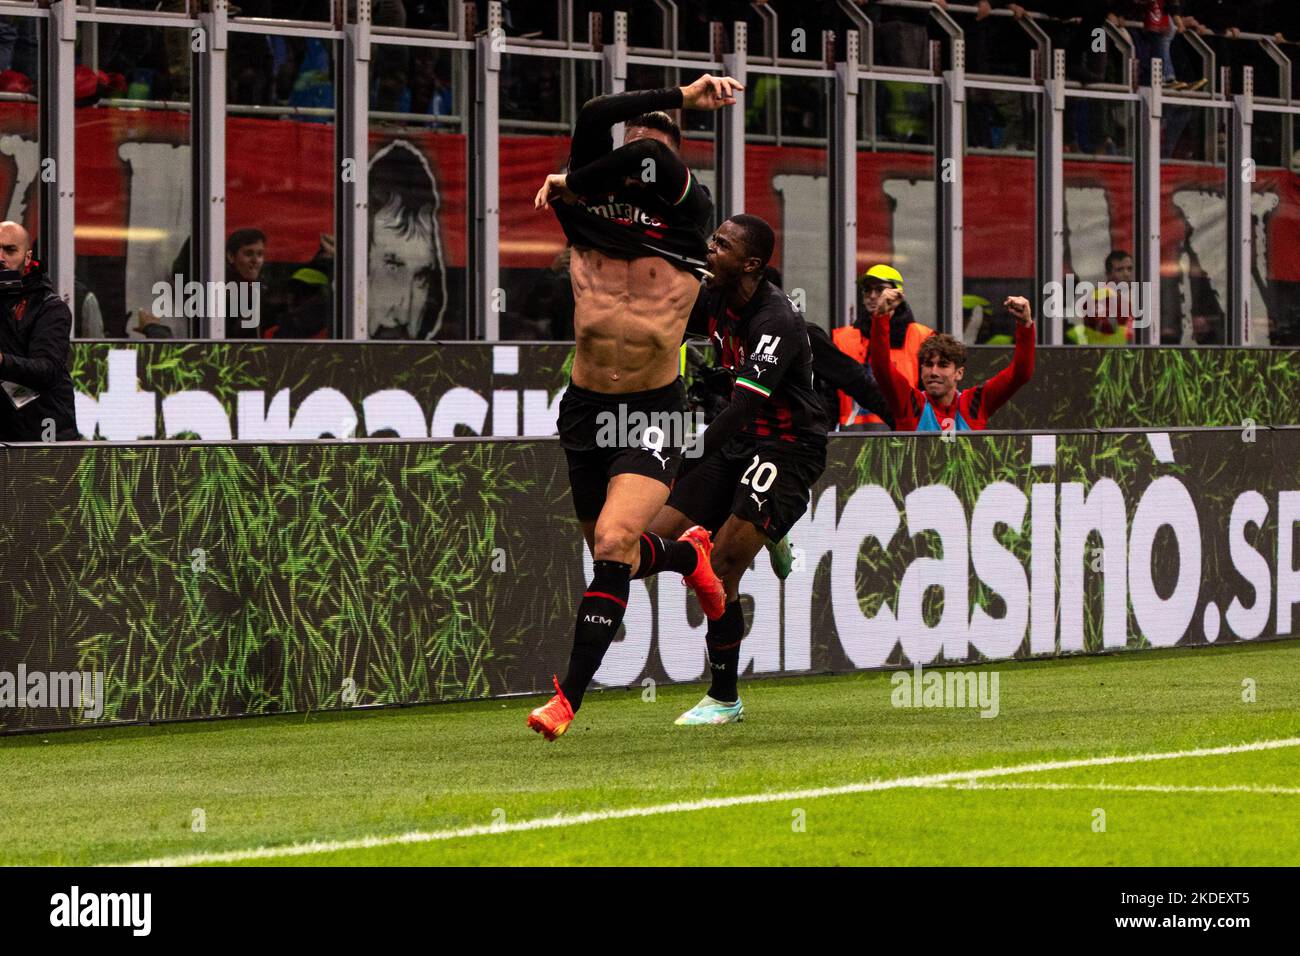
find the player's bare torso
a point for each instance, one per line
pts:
(628, 319)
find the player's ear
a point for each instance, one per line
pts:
(961, 372)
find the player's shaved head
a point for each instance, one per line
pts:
(759, 239)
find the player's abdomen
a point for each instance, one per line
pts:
(629, 316)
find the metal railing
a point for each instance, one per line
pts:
(848, 109)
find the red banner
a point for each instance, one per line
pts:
(132, 178)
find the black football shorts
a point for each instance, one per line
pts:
(604, 435)
(767, 483)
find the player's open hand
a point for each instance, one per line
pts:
(1018, 306)
(710, 93)
(890, 300)
(555, 187)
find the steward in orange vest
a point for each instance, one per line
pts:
(905, 338)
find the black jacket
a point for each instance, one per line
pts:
(835, 372)
(35, 325)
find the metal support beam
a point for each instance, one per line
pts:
(844, 185)
(351, 195)
(485, 146)
(208, 159)
(948, 179)
(57, 133)
(863, 27)
(613, 76)
(1042, 42)
(668, 23)
(1240, 185)
(730, 155)
(1287, 120)
(464, 25)
(1050, 176)
(1146, 189)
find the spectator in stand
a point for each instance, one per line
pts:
(1221, 24)
(1161, 22)
(1092, 126)
(1233, 17)
(154, 64)
(989, 51)
(313, 87)
(90, 86)
(250, 60)
(1111, 322)
(906, 336)
(427, 88)
(695, 23)
(245, 260)
(999, 46)
(902, 39)
(902, 35)
(940, 405)
(427, 14)
(389, 62)
(19, 45)
(306, 310)
(1073, 27)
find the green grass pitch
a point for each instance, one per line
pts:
(130, 794)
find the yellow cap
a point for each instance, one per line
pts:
(883, 273)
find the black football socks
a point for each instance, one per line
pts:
(723, 639)
(659, 555)
(599, 615)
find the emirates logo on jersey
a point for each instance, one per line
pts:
(628, 213)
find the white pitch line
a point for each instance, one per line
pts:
(691, 806)
(1121, 787)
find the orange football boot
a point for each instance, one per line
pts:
(552, 718)
(707, 586)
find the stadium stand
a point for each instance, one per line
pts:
(1044, 193)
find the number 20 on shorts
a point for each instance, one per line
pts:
(764, 474)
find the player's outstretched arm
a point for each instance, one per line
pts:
(645, 163)
(999, 389)
(711, 93)
(591, 133)
(849, 376)
(891, 381)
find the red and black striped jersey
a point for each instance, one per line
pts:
(637, 200)
(765, 345)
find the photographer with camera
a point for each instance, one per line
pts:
(35, 326)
